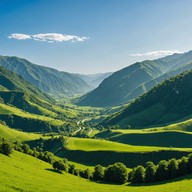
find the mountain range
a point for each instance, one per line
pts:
(128, 83)
(51, 81)
(167, 102)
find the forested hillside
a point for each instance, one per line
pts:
(132, 81)
(167, 102)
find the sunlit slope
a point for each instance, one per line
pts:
(135, 80)
(14, 135)
(149, 137)
(165, 103)
(95, 151)
(22, 172)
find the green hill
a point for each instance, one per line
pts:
(165, 103)
(46, 79)
(56, 83)
(144, 137)
(132, 81)
(22, 172)
(25, 107)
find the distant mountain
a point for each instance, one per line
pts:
(94, 80)
(129, 83)
(167, 102)
(46, 79)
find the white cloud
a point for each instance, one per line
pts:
(19, 36)
(155, 53)
(48, 37)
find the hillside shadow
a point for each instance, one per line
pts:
(186, 177)
(53, 170)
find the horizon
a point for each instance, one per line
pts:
(94, 37)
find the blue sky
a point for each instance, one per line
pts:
(91, 36)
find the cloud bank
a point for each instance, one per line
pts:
(155, 53)
(48, 37)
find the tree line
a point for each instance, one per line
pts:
(116, 173)
(164, 170)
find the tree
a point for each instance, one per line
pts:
(173, 168)
(183, 166)
(116, 173)
(26, 148)
(6, 148)
(162, 171)
(190, 162)
(60, 166)
(150, 171)
(138, 174)
(98, 173)
(71, 169)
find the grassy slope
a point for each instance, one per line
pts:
(103, 145)
(94, 151)
(149, 137)
(15, 135)
(165, 103)
(21, 172)
(5, 109)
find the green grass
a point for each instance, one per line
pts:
(14, 135)
(24, 173)
(86, 144)
(149, 137)
(5, 109)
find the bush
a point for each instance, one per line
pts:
(98, 173)
(116, 173)
(6, 148)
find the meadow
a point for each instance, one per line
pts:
(21, 172)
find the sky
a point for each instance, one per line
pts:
(94, 36)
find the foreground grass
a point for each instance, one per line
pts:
(22, 172)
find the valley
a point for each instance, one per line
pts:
(145, 124)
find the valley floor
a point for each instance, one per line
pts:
(24, 173)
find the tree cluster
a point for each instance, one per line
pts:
(6, 147)
(163, 171)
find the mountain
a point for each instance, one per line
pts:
(130, 82)
(46, 79)
(94, 80)
(167, 102)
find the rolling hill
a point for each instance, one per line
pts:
(129, 83)
(165, 103)
(39, 176)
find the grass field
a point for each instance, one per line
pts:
(14, 135)
(5, 109)
(86, 144)
(150, 137)
(24, 173)
(94, 151)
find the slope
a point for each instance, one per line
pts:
(132, 81)
(46, 79)
(165, 103)
(37, 175)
